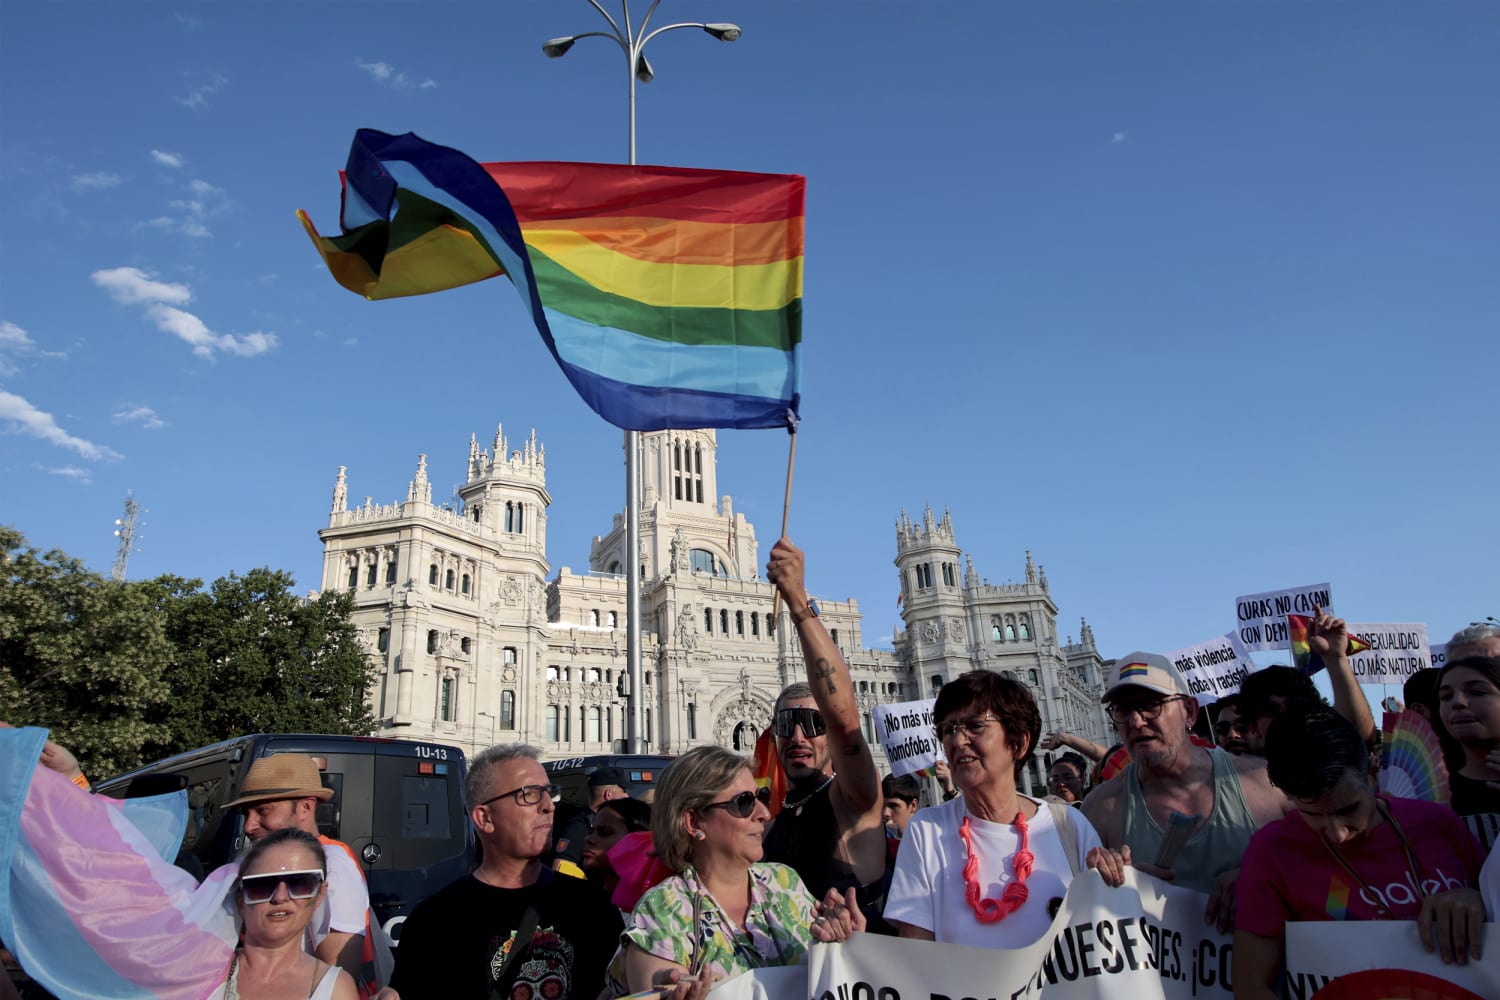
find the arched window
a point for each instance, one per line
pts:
(594, 617)
(614, 621)
(754, 625)
(552, 673)
(466, 584)
(390, 570)
(432, 640)
(448, 580)
(703, 561)
(1025, 629)
(508, 654)
(370, 575)
(937, 683)
(383, 642)
(739, 624)
(1010, 633)
(723, 621)
(463, 645)
(1031, 675)
(995, 629)
(353, 577)
(432, 572)
(745, 737)
(507, 709)
(708, 619)
(692, 721)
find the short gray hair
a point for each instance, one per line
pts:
(690, 782)
(793, 692)
(486, 761)
(1467, 639)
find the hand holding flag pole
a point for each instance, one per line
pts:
(786, 504)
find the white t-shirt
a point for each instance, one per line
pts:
(927, 889)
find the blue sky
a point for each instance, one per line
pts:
(1193, 300)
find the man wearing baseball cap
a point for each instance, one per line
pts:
(1185, 812)
(283, 791)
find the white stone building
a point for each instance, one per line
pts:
(474, 643)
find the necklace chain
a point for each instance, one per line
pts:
(990, 911)
(786, 804)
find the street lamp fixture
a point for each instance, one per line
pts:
(724, 32)
(556, 48)
(643, 70)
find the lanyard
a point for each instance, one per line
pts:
(1382, 912)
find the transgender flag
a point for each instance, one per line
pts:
(90, 903)
(669, 296)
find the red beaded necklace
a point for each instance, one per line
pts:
(989, 911)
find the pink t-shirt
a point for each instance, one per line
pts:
(1289, 874)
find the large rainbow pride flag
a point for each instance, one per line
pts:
(670, 297)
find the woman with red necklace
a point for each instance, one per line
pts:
(1346, 853)
(984, 868)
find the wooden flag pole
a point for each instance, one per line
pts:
(786, 508)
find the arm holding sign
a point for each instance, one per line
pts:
(1257, 963)
(1329, 639)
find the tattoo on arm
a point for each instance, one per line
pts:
(824, 673)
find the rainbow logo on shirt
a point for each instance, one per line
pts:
(1337, 906)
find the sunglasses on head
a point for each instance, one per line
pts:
(788, 719)
(742, 805)
(303, 884)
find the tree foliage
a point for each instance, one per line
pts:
(125, 673)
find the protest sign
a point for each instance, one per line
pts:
(1439, 651)
(780, 983)
(1366, 960)
(1214, 669)
(1261, 618)
(1146, 939)
(905, 731)
(1396, 652)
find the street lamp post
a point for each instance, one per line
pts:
(492, 725)
(632, 42)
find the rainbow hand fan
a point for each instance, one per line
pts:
(1411, 763)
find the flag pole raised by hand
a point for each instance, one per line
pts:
(786, 503)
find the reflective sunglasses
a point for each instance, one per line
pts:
(742, 805)
(528, 795)
(301, 884)
(788, 719)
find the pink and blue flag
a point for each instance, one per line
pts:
(90, 904)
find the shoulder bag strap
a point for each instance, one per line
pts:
(1062, 818)
(524, 933)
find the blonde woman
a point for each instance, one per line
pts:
(723, 911)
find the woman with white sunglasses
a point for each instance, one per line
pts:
(723, 911)
(281, 881)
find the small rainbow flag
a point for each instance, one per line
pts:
(1337, 906)
(1134, 670)
(670, 297)
(1303, 657)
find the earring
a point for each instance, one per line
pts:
(699, 835)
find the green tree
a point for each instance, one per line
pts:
(80, 655)
(252, 657)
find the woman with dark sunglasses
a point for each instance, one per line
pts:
(723, 911)
(280, 885)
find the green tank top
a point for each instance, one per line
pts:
(1217, 846)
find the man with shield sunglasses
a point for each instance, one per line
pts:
(830, 829)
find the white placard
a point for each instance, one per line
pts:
(1439, 651)
(1397, 650)
(1214, 669)
(1260, 619)
(1381, 958)
(905, 731)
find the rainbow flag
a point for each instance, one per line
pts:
(766, 766)
(90, 903)
(670, 297)
(1303, 657)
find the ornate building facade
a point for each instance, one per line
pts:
(476, 641)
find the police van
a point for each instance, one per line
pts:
(571, 774)
(398, 804)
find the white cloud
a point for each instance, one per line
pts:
(166, 159)
(1119, 137)
(27, 419)
(201, 202)
(197, 97)
(94, 181)
(129, 284)
(81, 476)
(384, 72)
(135, 413)
(15, 343)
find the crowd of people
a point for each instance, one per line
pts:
(1262, 811)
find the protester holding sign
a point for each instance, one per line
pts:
(1348, 854)
(1186, 812)
(1266, 693)
(1469, 710)
(984, 868)
(723, 911)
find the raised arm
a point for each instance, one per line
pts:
(1073, 741)
(832, 687)
(1330, 640)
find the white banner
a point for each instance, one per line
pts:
(905, 731)
(1396, 652)
(1146, 939)
(1381, 959)
(1439, 651)
(1261, 618)
(1214, 669)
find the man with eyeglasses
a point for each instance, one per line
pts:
(1185, 812)
(830, 829)
(512, 928)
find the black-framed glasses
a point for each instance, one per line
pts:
(974, 726)
(301, 884)
(742, 805)
(528, 795)
(788, 719)
(1148, 711)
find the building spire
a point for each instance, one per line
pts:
(420, 488)
(341, 492)
(1030, 568)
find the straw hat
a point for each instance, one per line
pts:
(282, 776)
